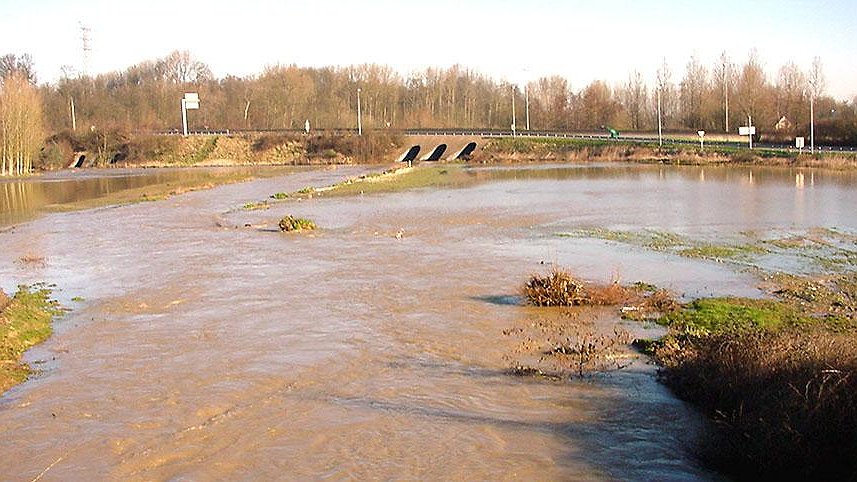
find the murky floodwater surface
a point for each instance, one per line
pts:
(204, 349)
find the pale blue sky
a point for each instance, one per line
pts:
(582, 41)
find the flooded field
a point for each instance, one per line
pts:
(204, 344)
(23, 199)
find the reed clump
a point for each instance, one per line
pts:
(557, 288)
(291, 223)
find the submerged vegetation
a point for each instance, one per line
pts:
(815, 250)
(25, 320)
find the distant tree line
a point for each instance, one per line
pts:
(146, 97)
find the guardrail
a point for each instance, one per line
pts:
(492, 133)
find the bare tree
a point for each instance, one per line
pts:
(753, 97)
(724, 81)
(667, 91)
(180, 67)
(11, 64)
(21, 128)
(791, 97)
(635, 96)
(817, 82)
(693, 90)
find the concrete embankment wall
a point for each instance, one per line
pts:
(439, 148)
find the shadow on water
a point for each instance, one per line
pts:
(500, 300)
(624, 440)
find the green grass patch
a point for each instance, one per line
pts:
(405, 178)
(731, 314)
(280, 196)
(255, 206)
(656, 240)
(721, 251)
(204, 151)
(25, 322)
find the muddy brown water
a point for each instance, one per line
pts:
(207, 350)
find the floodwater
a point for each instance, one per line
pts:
(209, 346)
(23, 199)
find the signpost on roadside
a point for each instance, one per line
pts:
(799, 143)
(749, 130)
(189, 101)
(701, 140)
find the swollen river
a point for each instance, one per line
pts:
(203, 344)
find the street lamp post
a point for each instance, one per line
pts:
(527, 100)
(513, 111)
(812, 122)
(359, 120)
(660, 132)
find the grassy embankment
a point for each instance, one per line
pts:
(779, 377)
(117, 149)
(572, 150)
(392, 180)
(25, 320)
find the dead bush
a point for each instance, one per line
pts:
(786, 400)
(558, 288)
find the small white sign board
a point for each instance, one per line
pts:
(191, 100)
(747, 131)
(799, 142)
(701, 133)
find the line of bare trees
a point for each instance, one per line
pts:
(145, 97)
(716, 98)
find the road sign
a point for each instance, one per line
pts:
(799, 142)
(747, 131)
(701, 135)
(191, 100)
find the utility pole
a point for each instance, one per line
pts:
(660, 132)
(726, 92)
(750, 125)
(527, 100)
(513, 111)
(812, 122)
(359, 121)
(73, 118)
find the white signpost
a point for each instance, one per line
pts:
(799, 143)
(749, 130)
(701, 140)
(189, 101)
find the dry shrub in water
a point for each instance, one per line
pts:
(786, 400)
(32, 260)
(558, 288)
